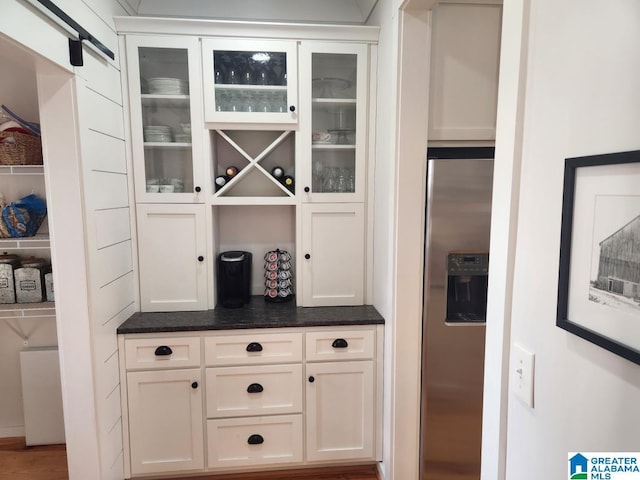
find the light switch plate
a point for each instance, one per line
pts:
(522, 365)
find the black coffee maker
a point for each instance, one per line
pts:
(234, 278)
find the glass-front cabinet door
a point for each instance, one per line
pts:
(165, 98)
(333, 117)
(250, 81)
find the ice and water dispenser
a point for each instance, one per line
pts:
(467, 280)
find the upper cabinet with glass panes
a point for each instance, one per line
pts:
(250, 81)
(334, 89)
(165, 103)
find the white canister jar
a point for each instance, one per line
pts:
(8, 264)
(29, 280)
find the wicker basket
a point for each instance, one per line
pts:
(23, 150)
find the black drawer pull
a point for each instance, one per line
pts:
(163, 350)
(255, 439)
(312, 379)
(340, 343)
(254, 347)
(194, 385)
(255, 388)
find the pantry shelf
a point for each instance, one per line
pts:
(11, 311)
(38, 241)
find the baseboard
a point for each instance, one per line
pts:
(8, 432)
(381, 474)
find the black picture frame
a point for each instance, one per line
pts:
(593, 319)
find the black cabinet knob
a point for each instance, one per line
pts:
(307, 256)
(312, 379)
(255, 388)
(198, 189)
(163, 351)
(254, 347)
(200, 258)
(255, 439)
(340, 343)
(194, 385)
(292, 108)
(307, 189)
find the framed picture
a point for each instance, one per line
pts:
(599, 279)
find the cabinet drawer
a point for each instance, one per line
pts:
(152, 353)
(253, 349)
(254, 390)
(254, 441)
(340, 345)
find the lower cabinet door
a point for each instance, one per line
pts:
(340, 411)
(165, 421)
(270, 440)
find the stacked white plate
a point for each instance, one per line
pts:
(168, 86)
(157, 133)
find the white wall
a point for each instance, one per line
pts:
(83, 137)
(402, 103)
(384, 177)
(582, 98)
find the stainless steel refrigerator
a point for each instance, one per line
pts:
(458, 214)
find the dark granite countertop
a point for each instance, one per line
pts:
(257, 314)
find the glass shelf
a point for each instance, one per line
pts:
(158, 100)
(166, 145)
(333, 147)
(255, 88)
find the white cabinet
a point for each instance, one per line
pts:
(259, 99)
(340, 415)
(246, 442)
(164, 404)
(340, 395)
(465, 55)
(331, 257)
(174, 273)
(334, 90)
(267, 397)
(250, 81)
(165, 104)
(165, 421)
(254, 399)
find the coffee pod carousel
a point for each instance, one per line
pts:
(278, 276)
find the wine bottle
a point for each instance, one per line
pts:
(231, 171)
(221, 181)
(289, 182)
(277, 172)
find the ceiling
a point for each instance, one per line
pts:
(324, 11)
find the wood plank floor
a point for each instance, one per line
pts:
(19, 462)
